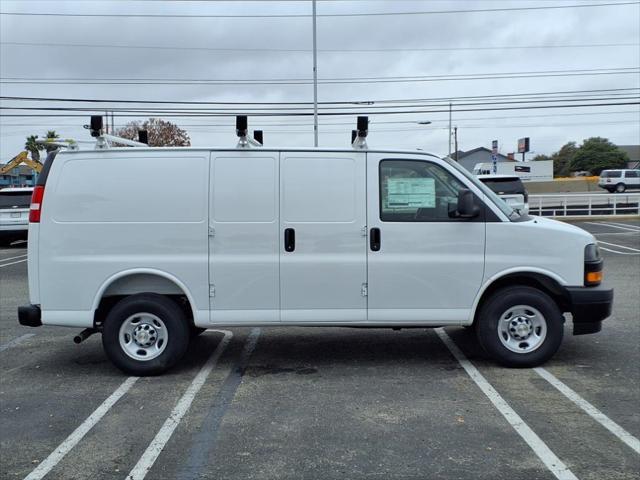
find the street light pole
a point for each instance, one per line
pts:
(315, 78)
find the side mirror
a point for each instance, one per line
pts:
(466, 207)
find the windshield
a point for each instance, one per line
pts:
(490, 194)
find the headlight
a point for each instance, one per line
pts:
(592, 265)
(592, 253)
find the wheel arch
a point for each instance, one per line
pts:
(547, 282)
(141, 280)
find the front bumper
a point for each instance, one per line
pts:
(589, 306)
(30, 316)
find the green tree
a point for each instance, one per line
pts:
(32, 147)
(597, 154)
(540, 157)
(35, 148)
(562, 159)
(51, 135)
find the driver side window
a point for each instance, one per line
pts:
(416, 191)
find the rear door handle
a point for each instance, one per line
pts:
(374, 239)
(289, 239)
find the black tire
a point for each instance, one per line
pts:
(620, 188)
(175, 323)
(499, 304)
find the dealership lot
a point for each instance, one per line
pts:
(326, 402)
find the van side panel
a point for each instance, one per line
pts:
(244, 262)
(323, 272)
(116, 211)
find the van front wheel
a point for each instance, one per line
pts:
(520, 327)
(145, 334)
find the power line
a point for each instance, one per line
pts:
(567, 93)
(371, 122)
(321, 50)
(325, 15)
(254, 110)
(327, 81)
(304, 114)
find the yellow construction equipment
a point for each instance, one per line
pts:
(22, 157)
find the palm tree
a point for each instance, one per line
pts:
(51, 135)
(32, 147)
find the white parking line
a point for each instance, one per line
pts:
(544, 453)
(152, 452)
(592, 411)
(12, 263)
(627, 225)
(72, 440)
(16, 341)
(616, 233)
(614, 226)
(619, 253)
(12, 258)
(619, 246)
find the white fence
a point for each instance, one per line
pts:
(584, 204)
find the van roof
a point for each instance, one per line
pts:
(254, 149)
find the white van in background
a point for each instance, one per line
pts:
(118, 244)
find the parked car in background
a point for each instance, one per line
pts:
(14, 214)
(510, 188)
(619, 180)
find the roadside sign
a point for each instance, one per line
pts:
(494, 147)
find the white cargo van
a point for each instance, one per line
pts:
(148, 245)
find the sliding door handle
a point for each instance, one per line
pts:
(289, 239)
(374, 239)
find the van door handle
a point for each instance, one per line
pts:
(374, 239)
(289, 239)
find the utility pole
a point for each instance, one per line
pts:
(455, 137)
(315, 78)
(449, 129)
(106, 124)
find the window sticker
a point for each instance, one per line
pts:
(411, 193)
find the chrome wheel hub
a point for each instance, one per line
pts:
(522, 329)
(143, 336)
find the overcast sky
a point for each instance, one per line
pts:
(407, 43)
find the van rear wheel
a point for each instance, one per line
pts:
(145, 334)
(520, 327)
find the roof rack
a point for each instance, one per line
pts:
(242, 129)
(69, 143)
(105, 141)
(359, 136)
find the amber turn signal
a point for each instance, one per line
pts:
(593, 278)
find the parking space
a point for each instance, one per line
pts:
(327, 402)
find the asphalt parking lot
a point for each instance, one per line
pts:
(330, 403)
